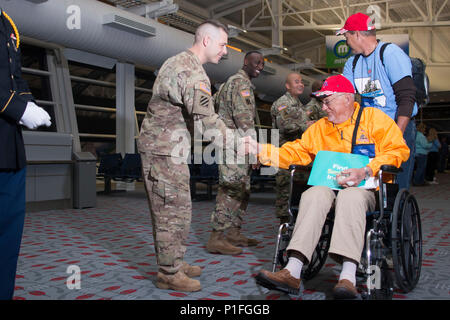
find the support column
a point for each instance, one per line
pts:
(125, 109)
(277, 24)
(125, 114)
(62, 95)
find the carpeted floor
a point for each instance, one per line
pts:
(112, 245)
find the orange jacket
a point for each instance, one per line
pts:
(375, 128)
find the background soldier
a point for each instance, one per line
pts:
(235, 103)
(314, 106)
(182, 89)
(16, 108)
(290, 118)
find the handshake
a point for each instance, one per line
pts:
(34, 116)
(251, 146)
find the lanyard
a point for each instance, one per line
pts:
(355, 130)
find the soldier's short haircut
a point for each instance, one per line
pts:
(252, 52)
(214, 23)
(316, 86)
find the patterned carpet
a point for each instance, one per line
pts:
(112, 246)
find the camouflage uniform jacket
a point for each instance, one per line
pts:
(289, 117)
(314, 110)
(181, 91)
(235, 102)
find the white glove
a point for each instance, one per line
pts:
(34, 116)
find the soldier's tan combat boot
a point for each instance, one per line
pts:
(236, 238)
(178, 281)
(218, 244)
(191, 271)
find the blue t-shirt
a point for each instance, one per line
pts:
(397, 65)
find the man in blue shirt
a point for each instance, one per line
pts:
(384, 84)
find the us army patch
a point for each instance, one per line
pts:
(245, 93)
(282, 107)
(204, 88)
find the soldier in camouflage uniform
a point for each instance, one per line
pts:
(314, 107)
(290, 118)
(235, 103)
(181, 91)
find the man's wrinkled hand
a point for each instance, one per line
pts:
(350, 177)
(248, 146)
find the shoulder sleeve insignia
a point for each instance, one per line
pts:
(282, 107)
(245, 93)
(202, 86)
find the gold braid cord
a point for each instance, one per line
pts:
(14, 27)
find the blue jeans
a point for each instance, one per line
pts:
(419, 176)
(12, 216)
(404, 178)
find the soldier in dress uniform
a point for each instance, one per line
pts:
(181, 93)
(16, 108)
(235, 103)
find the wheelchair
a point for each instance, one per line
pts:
(393, 239)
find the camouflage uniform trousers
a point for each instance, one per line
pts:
(168, 192)
(232, 197)
(282, 190)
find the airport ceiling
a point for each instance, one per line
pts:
(286, 29)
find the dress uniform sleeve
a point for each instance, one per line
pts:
(13, 104)
(243, 107)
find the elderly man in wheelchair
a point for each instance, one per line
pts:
(348, 129)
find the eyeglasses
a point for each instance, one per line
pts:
(328, 101)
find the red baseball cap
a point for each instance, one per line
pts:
(357, 22)
(335, 84)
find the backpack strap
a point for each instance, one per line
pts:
(355, 61)
(383, 47)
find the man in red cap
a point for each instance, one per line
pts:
(382, 140)
(381, 73)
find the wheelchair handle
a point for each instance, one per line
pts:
(390, 169)
(294, 167)
(381, 192)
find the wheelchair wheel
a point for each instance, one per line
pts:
(406, 234)
(320, 252)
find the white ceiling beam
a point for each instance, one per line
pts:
(440, 10)
(338, 26)
(256, 16)
(277, 33)
(424, 17)
(430, 9)
(221, 4)
(247, 4)
(333, 8)
(307, 44)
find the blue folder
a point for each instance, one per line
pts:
(328, 164)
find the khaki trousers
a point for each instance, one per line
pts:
(347, 240)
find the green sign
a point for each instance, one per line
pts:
(338, 52)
